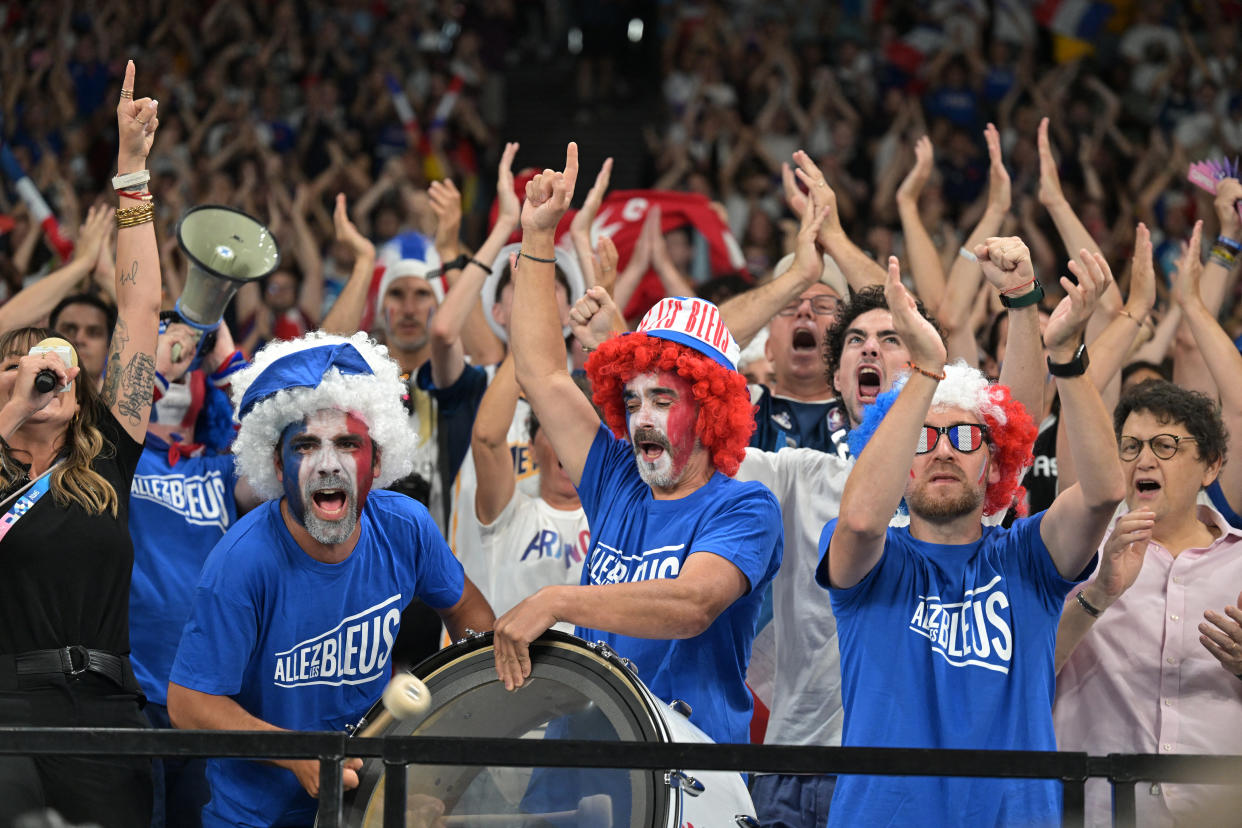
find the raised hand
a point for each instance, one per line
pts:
(1000, 192)
(595, 197)
(1142, 296)
(912, 185)
(1122, 557)
(1069, 319)
(94, 231)
(1228, 194)
(811, 175)
(136, 123)
(446, 204)
(1006, 264)
(346, 231)
(1221, 635)
(1189, 270)
(548, 195)
(606, 258)
(591, 317)
(1049, 180)
(808, 262)
(919, 336)
(509, 209)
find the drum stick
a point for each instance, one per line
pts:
(404, 698)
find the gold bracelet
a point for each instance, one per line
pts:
(133, 216)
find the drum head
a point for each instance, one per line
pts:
(573, 693)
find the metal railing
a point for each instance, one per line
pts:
(1072, 769)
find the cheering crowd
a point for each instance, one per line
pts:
(895, 412)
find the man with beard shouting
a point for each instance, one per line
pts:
(299, 603)
(680, 552)
(947, 626)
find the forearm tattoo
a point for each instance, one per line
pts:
(112, 369)
(137, 384)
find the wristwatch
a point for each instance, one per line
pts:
(1076, 367)
(455, 264)
(1030, 298)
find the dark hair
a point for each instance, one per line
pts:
(506, 276)
(867, 299)
(1164, 369)
(91, 299)
(1169, 403)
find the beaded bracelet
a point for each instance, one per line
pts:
(937, 377)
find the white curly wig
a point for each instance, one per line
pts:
(967, 388)
(375, 398)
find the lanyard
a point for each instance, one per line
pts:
(34, 490)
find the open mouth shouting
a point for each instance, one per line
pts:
(330, 504)
(870, 381)
(1146, 489)
(805, 341)
(650, 445)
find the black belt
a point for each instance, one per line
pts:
(71, 661)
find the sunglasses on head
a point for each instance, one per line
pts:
(963, 437)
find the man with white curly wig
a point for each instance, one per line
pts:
(297, 608)
(947, 626)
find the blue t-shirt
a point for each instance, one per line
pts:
(950, 647)
(301, 644)
(177, 513)
(635, 537)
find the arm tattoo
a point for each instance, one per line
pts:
(137, 384)
(130, 278)
(112, 368)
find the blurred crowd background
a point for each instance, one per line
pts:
(275, 107)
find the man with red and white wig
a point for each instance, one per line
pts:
(947, 626)
(680, 551)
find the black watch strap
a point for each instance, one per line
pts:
(455, 264)
(1025, 299)
(1076, 367)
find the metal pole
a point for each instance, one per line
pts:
(330, 791)
(394, 794)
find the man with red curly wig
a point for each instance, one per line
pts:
(680, 552)
(947, 626)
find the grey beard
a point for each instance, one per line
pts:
(331, 532)
(328, 531)
(653, 478)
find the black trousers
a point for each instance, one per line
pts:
(114, 792)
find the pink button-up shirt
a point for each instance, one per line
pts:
(1140, 681)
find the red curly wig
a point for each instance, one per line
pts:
(1012, 438)
(726, 416)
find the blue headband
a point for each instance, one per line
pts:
(303, 369)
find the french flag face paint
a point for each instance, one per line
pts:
(661, 416)
(328, 466)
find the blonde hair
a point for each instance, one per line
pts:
(74, 481)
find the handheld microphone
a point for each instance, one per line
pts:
(45, 380)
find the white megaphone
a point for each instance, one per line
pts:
(226, 249)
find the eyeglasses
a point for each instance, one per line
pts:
(964, 437)
(1163, 446)
(820, 306)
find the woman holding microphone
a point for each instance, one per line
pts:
(67, 458)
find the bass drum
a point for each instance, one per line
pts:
(575, 691)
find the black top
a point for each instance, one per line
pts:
(64, 574)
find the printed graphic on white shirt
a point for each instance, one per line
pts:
(200, 498)
(974, 632)
(355, 651)
(547, 544)
(613, 566)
